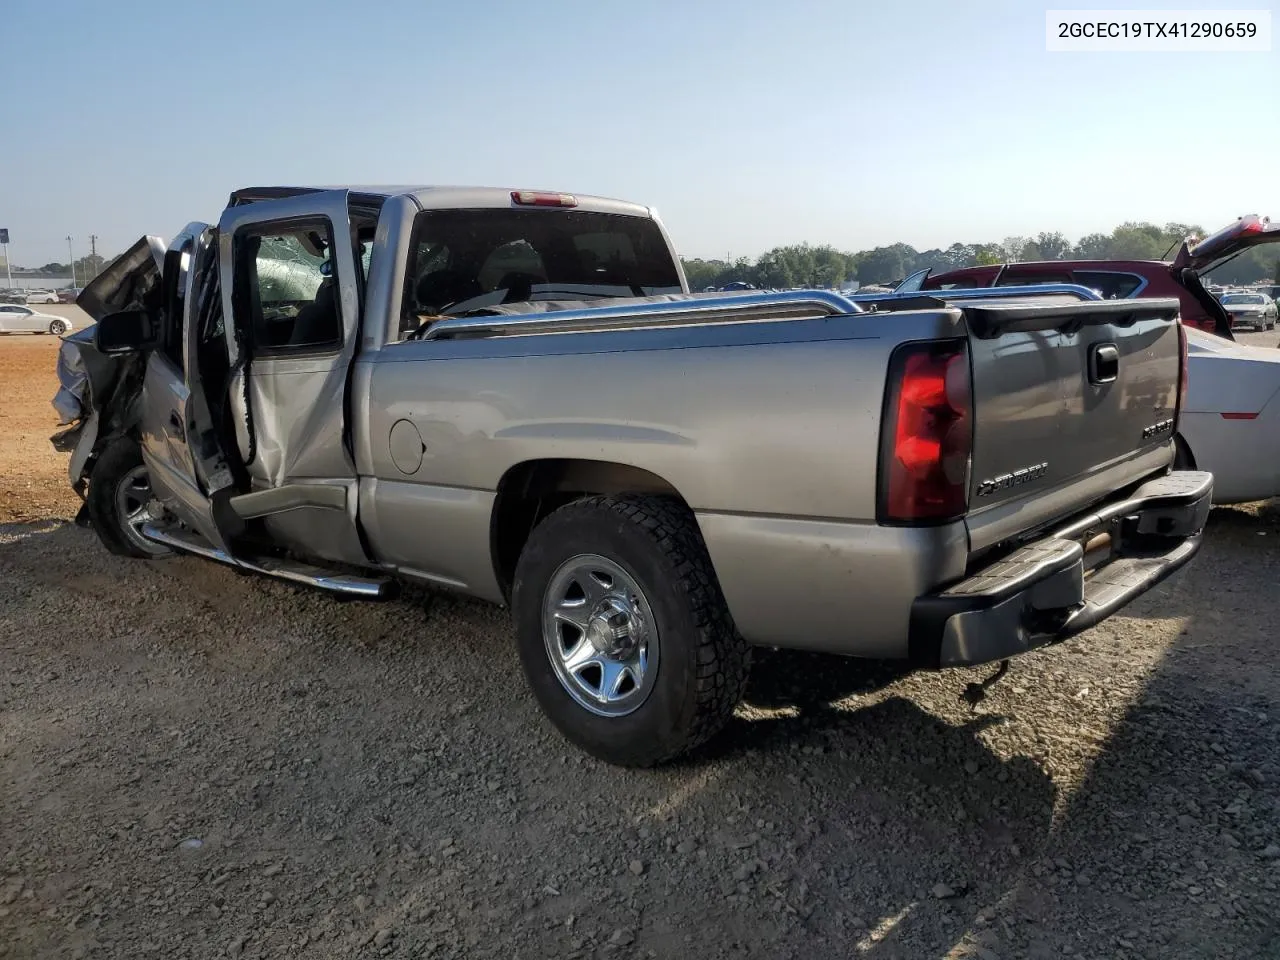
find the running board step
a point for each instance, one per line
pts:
(344, 584)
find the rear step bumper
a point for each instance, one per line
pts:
(1043, 594)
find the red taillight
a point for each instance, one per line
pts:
(928, 440)
(538, 198)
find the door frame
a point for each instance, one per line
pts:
(289, 404)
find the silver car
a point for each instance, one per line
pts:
(1246, 309)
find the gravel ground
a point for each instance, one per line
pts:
(199, 764)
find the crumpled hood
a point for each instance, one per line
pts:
(127, 282)
(85, 376)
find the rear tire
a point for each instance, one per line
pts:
(119, 499)
(57, 327)
(647, 573)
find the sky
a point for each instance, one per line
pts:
(746, 124)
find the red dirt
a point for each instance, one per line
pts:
(33, 475)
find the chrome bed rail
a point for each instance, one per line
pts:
(981, 293)
(698, 308)
(734, 308)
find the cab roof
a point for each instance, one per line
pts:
(436, 197)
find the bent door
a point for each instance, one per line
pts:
(290, 284)
(166, 416)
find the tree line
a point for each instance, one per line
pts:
(824, 266)
(89, 265)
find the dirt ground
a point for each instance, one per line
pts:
(33, 476)
(198, 764)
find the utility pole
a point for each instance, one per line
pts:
(72, 254)
(93, 253)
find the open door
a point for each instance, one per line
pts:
(152, 276)
(291, 291)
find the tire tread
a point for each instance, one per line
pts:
(723, 657)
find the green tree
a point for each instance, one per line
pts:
(1137, 241)
(884, 264)
(1093, 246)
(773, 270)
(702, 273)
(957, 255)
(1052, 246)
(988, 254)
(1012, 248)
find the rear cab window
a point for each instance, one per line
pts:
(464, 260)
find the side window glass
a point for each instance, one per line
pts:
(289, 289)
(1110, 286)
(1027, 279)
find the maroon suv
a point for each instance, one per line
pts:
(1121, 279)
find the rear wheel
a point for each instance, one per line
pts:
(623, 632)
(57, 327)
(120, 501)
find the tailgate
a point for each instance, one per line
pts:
(1071, 402)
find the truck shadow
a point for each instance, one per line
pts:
(793, 678)
(1166, 847)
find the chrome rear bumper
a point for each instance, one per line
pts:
(1048, 591)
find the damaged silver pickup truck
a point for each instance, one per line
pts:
(513, 394)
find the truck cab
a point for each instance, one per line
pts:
(261, 323)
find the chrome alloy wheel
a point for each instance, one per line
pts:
(134, 506)
(600, 635)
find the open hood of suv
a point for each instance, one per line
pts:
(1244, 233)
(127, 282)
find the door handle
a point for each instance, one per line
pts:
(1104, 363)
(175, 425)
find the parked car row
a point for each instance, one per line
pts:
(16, 295)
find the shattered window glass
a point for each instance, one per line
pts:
(293, 298)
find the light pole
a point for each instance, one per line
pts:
(71, 253)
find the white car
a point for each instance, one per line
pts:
(41, 296)
(15, 318)
(1230, 421)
